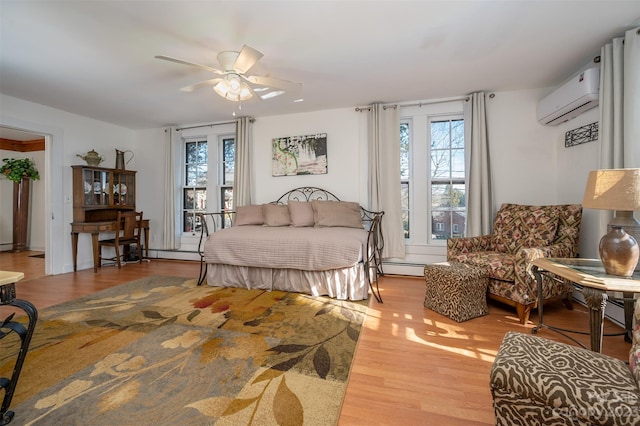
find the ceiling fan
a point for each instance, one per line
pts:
(233, 83)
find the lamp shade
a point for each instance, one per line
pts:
(613, 189)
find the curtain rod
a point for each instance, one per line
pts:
(211, 125)
(419, 104)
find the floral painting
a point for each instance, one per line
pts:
(299, 155)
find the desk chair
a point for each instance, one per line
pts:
(128, 231)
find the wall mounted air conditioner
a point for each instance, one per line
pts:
(574, 97)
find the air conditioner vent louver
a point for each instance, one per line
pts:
(574, 97)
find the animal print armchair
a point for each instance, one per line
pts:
(522, 233)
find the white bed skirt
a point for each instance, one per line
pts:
(343, 284)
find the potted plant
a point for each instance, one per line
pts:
(15, 169)
(20, 171)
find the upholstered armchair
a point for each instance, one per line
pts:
(521, 234)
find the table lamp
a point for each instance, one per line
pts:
(619, 190)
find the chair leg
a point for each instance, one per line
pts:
(568, 301)
(523, 312)
(118, 256)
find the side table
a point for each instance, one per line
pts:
(596, 286)
(8, 281)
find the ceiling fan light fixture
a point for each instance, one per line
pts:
(233, 89)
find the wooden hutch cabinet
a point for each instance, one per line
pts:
(99, 193)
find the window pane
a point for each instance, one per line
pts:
(190, 175)
(191, 152)
(440, 164)
(201, 199)
(457, 164)
(203, 156)
(404, 151)
(457, 134)
(437, 225)
(229, 156)
(440, 135)
(440, 196)
(189, 197)
(189, 222)
(201, 175)
(227, 198)
(404, 197)
(458, 199)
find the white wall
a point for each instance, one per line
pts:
(345, 159)
(68, 135)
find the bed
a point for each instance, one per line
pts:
(307, 241)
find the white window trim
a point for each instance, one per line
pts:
(215, 134)
(419, 117)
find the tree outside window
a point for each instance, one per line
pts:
(448, 208)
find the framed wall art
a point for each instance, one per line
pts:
(299, 155)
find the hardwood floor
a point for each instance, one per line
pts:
(412, 365)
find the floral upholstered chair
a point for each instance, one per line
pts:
(522, 233)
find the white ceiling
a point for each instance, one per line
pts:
(96, 58)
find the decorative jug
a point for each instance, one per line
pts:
(92, 158)
(120, 162)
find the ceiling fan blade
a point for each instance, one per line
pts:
(196, 86)
(246, 59)
(191, 64)
(289, 86)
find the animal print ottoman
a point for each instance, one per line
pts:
(456, 290)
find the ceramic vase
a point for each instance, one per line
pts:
(619, 252)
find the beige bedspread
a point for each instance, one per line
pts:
(302, 248)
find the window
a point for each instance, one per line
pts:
(405, 161)
(228, 147)
(447, 177)
(194, 191)
(432, 174)
(206, 157)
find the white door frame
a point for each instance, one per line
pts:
(54, 194)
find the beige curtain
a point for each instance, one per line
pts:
(620, 102)
(384, 175)
(478, 191)
(242, 183)
(619, 108)
(169, 221)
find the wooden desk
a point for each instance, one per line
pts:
(596, 286)
(94, 228)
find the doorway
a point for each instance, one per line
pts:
(18, 143)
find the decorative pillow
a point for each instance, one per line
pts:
(336, 213)
(249, 215)
(301, 213)
(276, 215)
(524, 226)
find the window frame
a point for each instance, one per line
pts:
(419, 118)
(188, 241)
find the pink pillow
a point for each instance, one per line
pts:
(276, 215)
(249, 215)
(336, 213)
(301, 213)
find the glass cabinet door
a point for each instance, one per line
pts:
(96, 185)
(124, 189)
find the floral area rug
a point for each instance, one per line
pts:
(162, 351)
